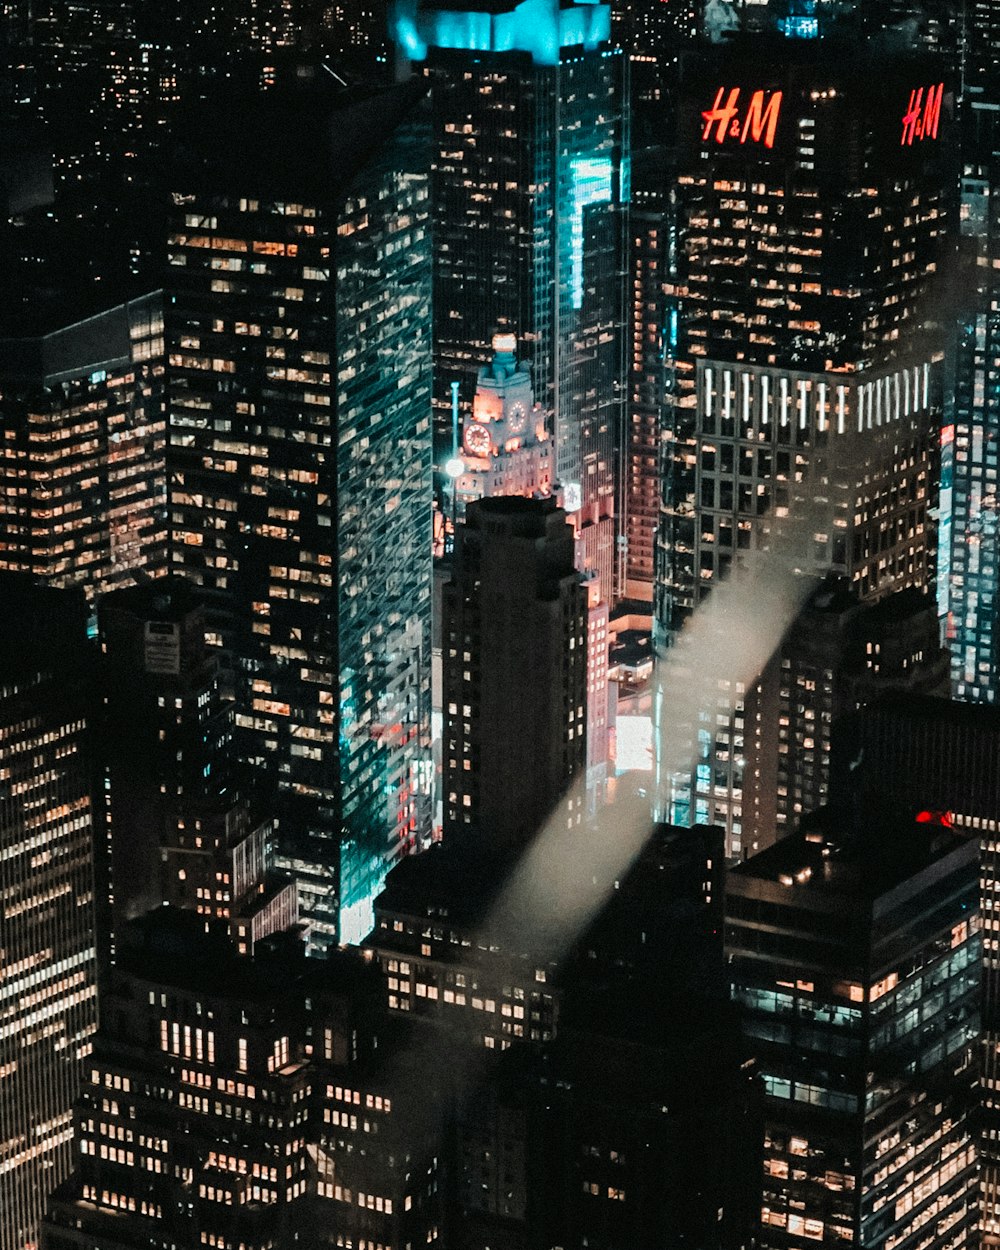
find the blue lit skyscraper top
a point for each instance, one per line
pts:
(542, 28)
(529, 187)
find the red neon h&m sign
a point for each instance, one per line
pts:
(923, 113)
(758, 122)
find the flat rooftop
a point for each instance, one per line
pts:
(829, 857)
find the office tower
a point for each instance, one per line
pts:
(940, 760)
(506, 447)
(514, 651)
(803, 393)
(649, 223)
(299, 399)
(854, 952)
(82, 449)
(618, 1048)
(256, 1102)
(16, 74)
(180, 828)
(46, 894)
(508, 452)
(839, 655)
(528, 188)
(969, 560)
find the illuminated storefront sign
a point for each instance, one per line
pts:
(757, 123)
(923, 113)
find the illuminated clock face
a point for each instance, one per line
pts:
(477, 440)
(517, 418)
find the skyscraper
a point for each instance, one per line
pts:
(82, 469)
(299, 397)
(49, 1007)
(854, 953)
(514, 652)
(970, 509)
(939, 760)
(839, 654)
(804, 384)
(649, 224)
(528, 188)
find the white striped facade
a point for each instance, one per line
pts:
(768, 401)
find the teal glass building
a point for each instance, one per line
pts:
(529, 192)
(298, 332)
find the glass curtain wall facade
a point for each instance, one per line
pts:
(803, 403)
(49, 984)
(855, 957)
(82, 442)
(300, 442)
(529, 185)
(970, 440)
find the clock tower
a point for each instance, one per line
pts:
(506, 446)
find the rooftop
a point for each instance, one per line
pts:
(830, 856)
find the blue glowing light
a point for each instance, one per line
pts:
(591, 184)
(539, 27)
(799, 26)
(626, 180)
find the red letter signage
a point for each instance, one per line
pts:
(920, 121)
(721, 113)
(758, 124)
(761, 120)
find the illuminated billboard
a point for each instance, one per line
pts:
(813, 113)
(728, 120)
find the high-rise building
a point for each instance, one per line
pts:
(300, 457)
(840, 654)
(983, 37)
(529, 186)
(514, 656)
(623, 1109)
(49, 973)
(970, 509)
(179, 824)
(651, 31)
(444, 939)
(902, 25)
(855, 953)
(82, 470)
(941, 760)
(649, 224)
(804, 382)
(249, 1101)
